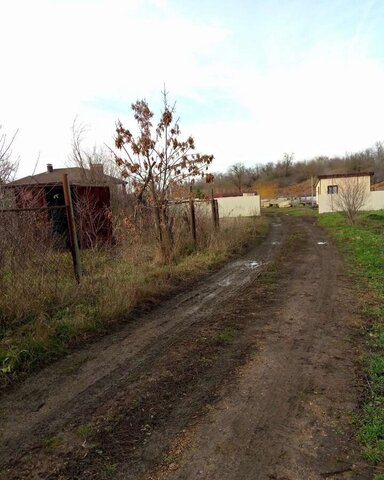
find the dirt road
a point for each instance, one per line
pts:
(252, 374)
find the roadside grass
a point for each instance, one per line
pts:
(44, 313)
(52, 443)
(226, 336)
(85, 431)
(363, 247)
(109, 470)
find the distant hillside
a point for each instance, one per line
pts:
(302, 189)
(378, 186)
(293, 178)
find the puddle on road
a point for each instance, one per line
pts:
(276, 243)
(322, 243)
(253, 264)
(275, 224)
(226, 282)
(239, 278)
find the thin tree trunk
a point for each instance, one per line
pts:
(167, 240)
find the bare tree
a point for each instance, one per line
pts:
(8, 165)
(156, 160)
(237, 174)
(86, 158)
(93, 220)
(287, 162)
(98, 166)
(351, 196)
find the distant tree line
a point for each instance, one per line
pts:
(272, 177)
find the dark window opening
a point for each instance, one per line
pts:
(332, 189)
(58, 217)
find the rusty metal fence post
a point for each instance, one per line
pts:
(217, 214)
(72, 229)
(215, 211)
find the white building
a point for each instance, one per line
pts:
(247, 205)
(329, 187)
(244, 205)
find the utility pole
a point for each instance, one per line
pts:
(312, 191)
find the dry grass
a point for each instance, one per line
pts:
(43, 312)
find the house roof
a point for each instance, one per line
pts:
(76, 175)
(344, 175)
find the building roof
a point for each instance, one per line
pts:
(344, 175)
(227, 194)
(76, 175)
(378, 186)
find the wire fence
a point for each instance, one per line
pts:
(43, 279)
(38, 255)
(33, 262)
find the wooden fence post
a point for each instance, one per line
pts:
(72, 229)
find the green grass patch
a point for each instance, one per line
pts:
(52, 443)
(363, 247)
(226, 336)
(85, 431)
(109, 471)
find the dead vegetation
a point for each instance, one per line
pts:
(8, 165)
(132, 255)
(42, 309)
(156, 160)
(352, 195)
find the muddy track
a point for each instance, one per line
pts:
(248, 370)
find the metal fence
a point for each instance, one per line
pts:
(34, 263)
(39, 244)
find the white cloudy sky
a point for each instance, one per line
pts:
(252, 78)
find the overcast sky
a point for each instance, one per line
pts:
(252, 78)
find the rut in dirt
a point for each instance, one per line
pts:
(247, 375)
(80, 388)
(289, 413)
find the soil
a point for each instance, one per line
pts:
(251, 374)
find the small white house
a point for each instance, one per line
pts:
(330, 187)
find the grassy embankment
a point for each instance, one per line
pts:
(363, 247)
(43, 312)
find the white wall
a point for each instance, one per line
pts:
(374, 201)
(245, 206)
